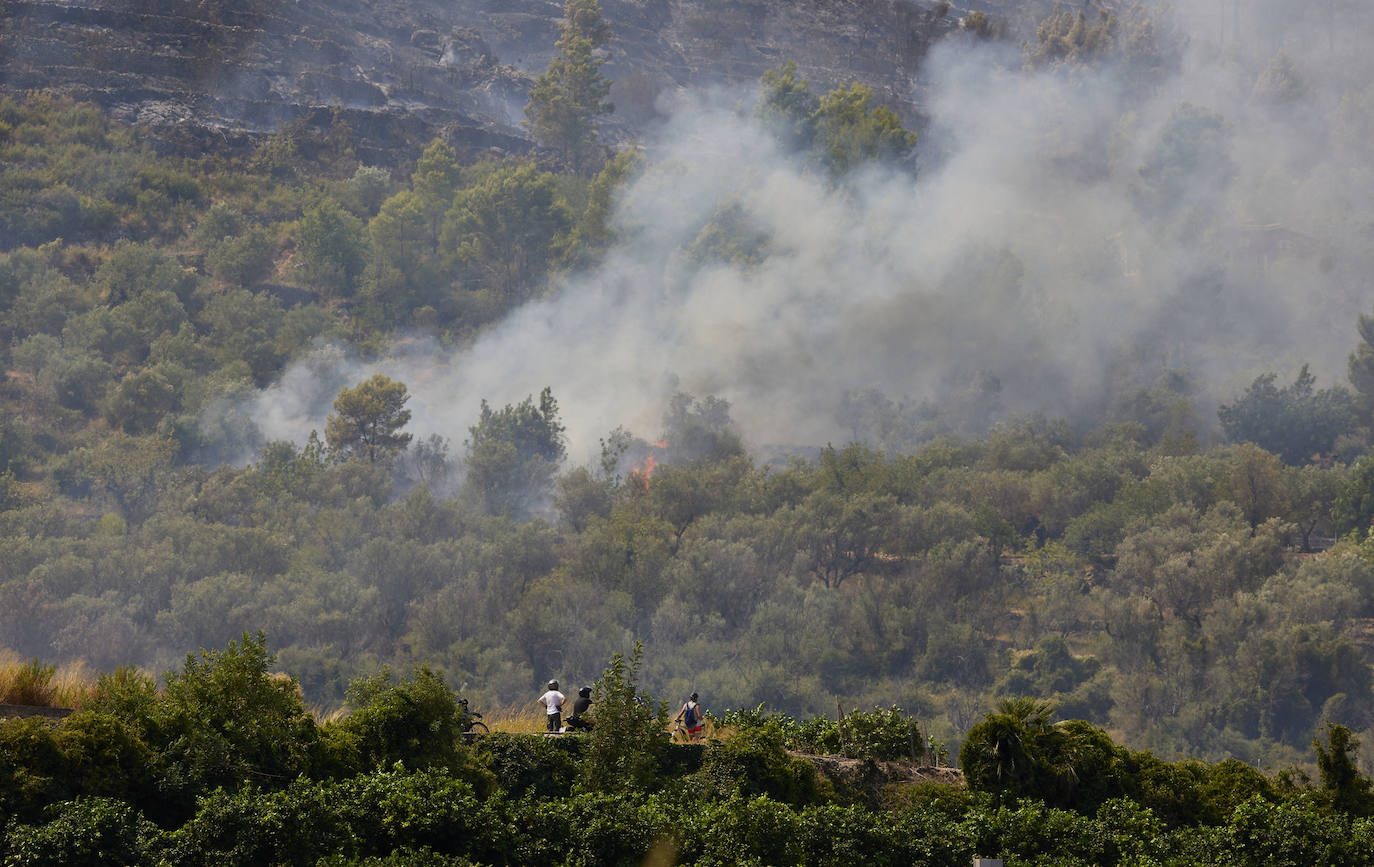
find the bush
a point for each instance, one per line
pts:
(32, 767)
(244, 260)
(755, 762)
(882, 735)
(87, 831)
(414, 722)
(226, 721)
(624, 749)
(538, 766)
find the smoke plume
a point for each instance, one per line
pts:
(1063, 233)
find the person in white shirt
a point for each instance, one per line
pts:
(553, 707)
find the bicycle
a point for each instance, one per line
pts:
(470, 720)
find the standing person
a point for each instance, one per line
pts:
(578, 721)
(692, 718)
(552, 700)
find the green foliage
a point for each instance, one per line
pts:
(755, 762)
(513, 453)
(331, 248)
(788, 106)
(414, 723)
(885, 735)
(227, 721)
(1353, 509)
(1068, 37)
(367, 420)
(1350, 790)
(243, 260)
(624, 749)
(1017, 752)
(1047, 670)
(699, 430)
(507, 229)
(1360, 369)
(567, 100)
(94, 831)
(540, 766)
(1165, 563)
(1295, 422)
(842, 128)
(32, 773)
(855, 131)
(132, 269)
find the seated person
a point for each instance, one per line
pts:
(579, 722)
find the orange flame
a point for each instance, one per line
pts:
(646, 467)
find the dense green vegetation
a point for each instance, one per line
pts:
(225, 766)
(1142, 579)
(1193, 584)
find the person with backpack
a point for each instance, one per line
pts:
(692, 717)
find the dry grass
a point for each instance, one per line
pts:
(74, 685)
(709, 731)
(31, 682)
(513, 717)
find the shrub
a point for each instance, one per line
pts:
(882, 735)
(541, 767)
(624, 749)
(755, 762)
(414, 722)
(87, 831)
(31, 766)
(243, 260)
(227, 720)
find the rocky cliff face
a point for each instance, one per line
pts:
(398, 71)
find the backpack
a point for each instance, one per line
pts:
(690, 718)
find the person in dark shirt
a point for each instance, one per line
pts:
(578, 721)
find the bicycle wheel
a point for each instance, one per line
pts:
(478, 729)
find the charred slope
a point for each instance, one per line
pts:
(402, 70)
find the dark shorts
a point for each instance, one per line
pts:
(555, 722)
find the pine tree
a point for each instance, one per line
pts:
(567, 100)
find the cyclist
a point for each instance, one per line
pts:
(468, 718)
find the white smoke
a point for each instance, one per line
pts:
(1030, 247)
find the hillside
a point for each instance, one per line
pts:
(831, 404)
(400, 71)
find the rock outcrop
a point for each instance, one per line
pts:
(398, 71)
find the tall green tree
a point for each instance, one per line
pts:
(507, 228)
(368, 418)
(1361, 368)
(1349, 789)
(853, 130)
(330, 243)
(513, 454)
(842, 129)
(1296, 422)
(567, 100)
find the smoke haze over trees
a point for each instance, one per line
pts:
(1061, 237)
(816, 399)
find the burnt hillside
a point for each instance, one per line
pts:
(399, 71)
